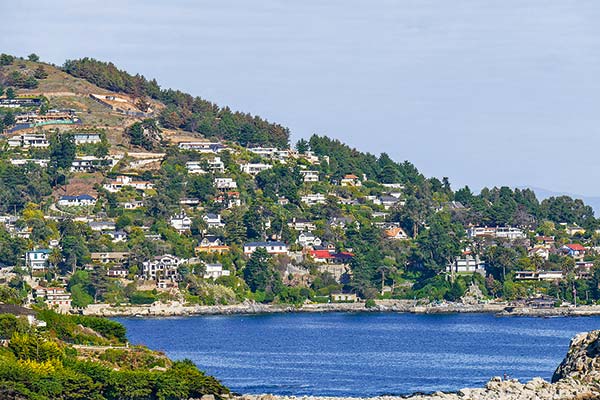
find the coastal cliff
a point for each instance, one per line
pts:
(576, 378)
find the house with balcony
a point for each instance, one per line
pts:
(254, 168)
(162, 267)
(310, 176)
(37, 260)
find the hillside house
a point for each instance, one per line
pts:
(55, 297)
(574, 250)
(225, 183)
(274, 248)
(310, 176)
(195, 167)
(573, 230)
(539, 275)
(109, 257)
(35, 140)
(350, 180)
(306, 239)
(42, 162)
(540, 251)
(83, 200)
(131, 205)
(313, 199)
(211, 244)
(254, 168)
(37, 260)
(330, 256)
(117, 236)
(114, 185)
(214, 271)
(302, 225)
(181, 222)
(91, 163)
(86, 138)
(343, 298)
(395, 233)
(203, 147)
(467, 263)
(503, 232)
(117, 272)
(100, 226)
(213, 220)
(162, 267)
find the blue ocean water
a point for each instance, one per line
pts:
(341, 354)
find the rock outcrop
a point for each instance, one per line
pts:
(582, 362)
(577, 378)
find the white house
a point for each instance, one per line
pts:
(215, 271)
(270, 152)
(213, 220)
(163, 267)
(131, 205)
(310, 176)
(254, 168)
(37, 260)
(216, 165)
(505, 232)
(91, 163)
(195, 167)
(203, 147)
(181, 222)
(313, 199)
(86, 138)
(42, 162)
(29, 140)
(271, 247)
(114, 185)
(306, 239)
(117, 236)
(225, 183)
(83, 200)
(466, 264)
(99, 226)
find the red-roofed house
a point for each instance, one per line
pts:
(574, 250)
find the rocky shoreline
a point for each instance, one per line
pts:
(576, 378)
(174, 309)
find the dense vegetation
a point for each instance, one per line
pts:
(40, 363)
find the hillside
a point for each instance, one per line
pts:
(114, 190)
(49, 356)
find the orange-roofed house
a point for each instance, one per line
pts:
(350, 180)
(395, 233)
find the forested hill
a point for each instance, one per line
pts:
(112, 178)
(183, 111)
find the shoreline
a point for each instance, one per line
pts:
(176, 309)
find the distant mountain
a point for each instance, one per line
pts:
(593, 201)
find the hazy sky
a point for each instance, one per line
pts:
(503, 92)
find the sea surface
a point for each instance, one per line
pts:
(347, 354)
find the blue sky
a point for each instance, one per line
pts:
(502, 92)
